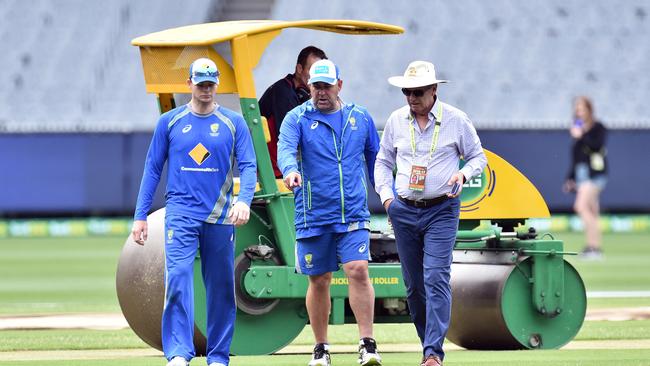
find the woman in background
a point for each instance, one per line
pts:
(588, 173)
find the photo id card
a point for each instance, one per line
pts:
(418, 175)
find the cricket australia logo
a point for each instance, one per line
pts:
(353, 123)
(170, 236)
(308, 259)
(214, 129)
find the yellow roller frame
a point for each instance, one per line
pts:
(167, 55)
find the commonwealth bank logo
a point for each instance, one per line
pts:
(199, 153)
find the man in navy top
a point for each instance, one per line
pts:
(286, 94)
(338, 143)
(199, 141)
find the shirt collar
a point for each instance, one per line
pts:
(435, 114)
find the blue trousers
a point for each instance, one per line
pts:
(215, 243)
(425, 241)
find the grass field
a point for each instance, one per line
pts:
(63, 275)
(471, 358)
(76, 275)
(83, 339)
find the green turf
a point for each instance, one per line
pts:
(624, 302)
(610, 330)
(519, 358)
(77, 339)
(624, 268)
(58, 275)
(68, 339)
(53, 275)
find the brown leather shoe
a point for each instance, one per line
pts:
(431, 360)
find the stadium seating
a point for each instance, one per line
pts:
(513, 64)
(73, 59)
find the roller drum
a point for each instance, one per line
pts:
(140, 284)
(492, 308)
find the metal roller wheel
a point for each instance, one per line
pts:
(140, 285)
(492, 308)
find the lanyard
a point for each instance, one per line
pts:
(339, 153)
(436, 132)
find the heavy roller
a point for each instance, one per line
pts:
(511, 288)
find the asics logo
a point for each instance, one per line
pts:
(314, 125)
(362, 248)
(187, 128)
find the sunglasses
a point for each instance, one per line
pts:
(213, 74)
(416, 92)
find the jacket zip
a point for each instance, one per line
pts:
(339, 155)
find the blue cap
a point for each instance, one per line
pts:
(204, 69)
(324, 71)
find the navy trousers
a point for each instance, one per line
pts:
(215, 243)
(425, 240)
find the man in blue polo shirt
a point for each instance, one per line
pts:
(338, 143)
(199, 141)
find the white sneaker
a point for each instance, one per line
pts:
(178, 361)
(216, 364)
(321, 355)
(368, 355)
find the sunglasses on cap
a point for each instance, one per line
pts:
(207, 73)
(416, 92)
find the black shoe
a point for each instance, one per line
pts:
(321, 355)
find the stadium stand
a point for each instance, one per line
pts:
(513, 64)
(70, 65)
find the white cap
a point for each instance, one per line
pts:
(417, 74)
(323, 71)
(204, 69)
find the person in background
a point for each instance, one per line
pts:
(286, 94)
(199, 141)
(425, 140)
(588, 173)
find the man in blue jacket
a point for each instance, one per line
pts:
(199, 141)
(323, 146)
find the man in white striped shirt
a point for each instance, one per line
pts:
(425, 140)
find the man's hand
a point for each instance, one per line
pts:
(139, 231)
(239, 214)
(293, 180)
(387, 204)
(456, 178)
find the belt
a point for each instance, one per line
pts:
(424, 203)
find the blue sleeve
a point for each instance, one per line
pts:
(153, 166)
(288, 143)
(246, 161)
(372, 148)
